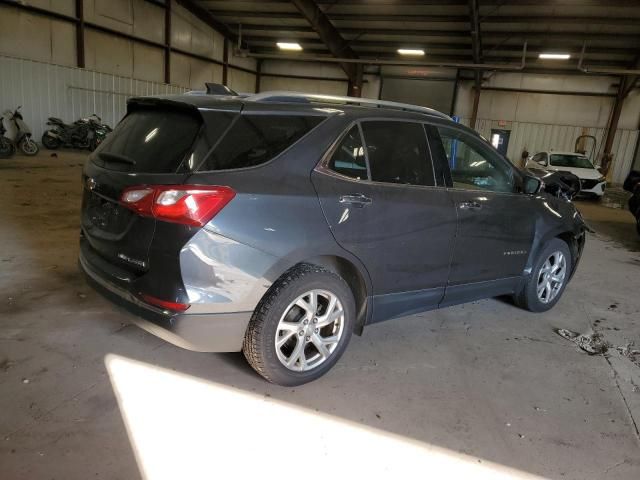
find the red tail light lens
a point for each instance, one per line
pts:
(191, 205)
(164, 304)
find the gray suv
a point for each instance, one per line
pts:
(281, 223)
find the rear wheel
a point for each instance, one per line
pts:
(301, 327)
(28, 146)
(548, 279)
(49, 141)
(6, 148)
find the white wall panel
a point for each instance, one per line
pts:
(109, 54)
(148, 62)
(66, 7)
(23, 34)
(46, 90)
(371, 86)
(327, 87)
(244, 62)
(193, 73)
(191, 34)
(241, 81)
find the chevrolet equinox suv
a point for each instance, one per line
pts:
(279, 223)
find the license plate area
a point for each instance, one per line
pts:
(106, 216)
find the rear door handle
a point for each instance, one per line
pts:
(470, 206)
(358, 200)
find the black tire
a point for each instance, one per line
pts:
(259, 343)
(527, 296)
(7, 148)
(49, 142)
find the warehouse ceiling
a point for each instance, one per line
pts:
(375, 29)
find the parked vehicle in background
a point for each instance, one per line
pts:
(86, 133)
(560, 184)
(281, 223)
(632, 184)
(592, 182)
(7, 148)
(18, 132)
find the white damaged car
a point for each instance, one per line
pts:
(592, 182)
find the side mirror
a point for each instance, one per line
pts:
(531, 185)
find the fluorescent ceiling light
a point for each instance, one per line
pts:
(555, 56)
(289, 46)
(410, 51)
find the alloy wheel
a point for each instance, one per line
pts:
(551, 277)
(309, 330)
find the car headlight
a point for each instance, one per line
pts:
(602, 179)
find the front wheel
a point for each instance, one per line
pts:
(301, 327)
(28, 146)
(49, 141)
(548, 279)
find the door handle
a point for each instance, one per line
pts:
(469, 206)
(358, 200)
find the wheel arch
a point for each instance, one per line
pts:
(574, 240)
(356, 281)
(350, 270)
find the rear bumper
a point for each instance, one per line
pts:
(220, 332)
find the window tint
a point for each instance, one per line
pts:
(568, 160)
(398, 152)
(349, 157)
(256, 139)
(149, 140)
(474, 167)
(540, 158)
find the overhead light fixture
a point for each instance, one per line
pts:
(411, 51)
(554, 56)
(293, 46)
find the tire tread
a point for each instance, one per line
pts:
(251, 343)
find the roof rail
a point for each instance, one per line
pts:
(285, 96)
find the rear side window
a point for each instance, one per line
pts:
(349, 159)
(149, 140)
(256, 139)
(398, 152)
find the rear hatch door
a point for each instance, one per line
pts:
(159, 142)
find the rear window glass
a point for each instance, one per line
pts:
(349, 159)
(256, 139)
(150, 141)
(398, 152)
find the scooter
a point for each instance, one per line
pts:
(18, 132)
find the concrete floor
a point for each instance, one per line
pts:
(484, 383)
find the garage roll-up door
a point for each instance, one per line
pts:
(436, 94)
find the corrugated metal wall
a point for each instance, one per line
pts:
(536, 137)
(45, 90)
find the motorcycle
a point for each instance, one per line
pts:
(84, 133)
(18, 133)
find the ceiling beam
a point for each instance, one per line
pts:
(476, 47)
(256, 16)
(330, 36)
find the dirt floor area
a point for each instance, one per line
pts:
(482, 389)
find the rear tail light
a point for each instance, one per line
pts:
(192, 205)
(164, 304)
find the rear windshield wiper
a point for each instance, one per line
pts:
(115, 157)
